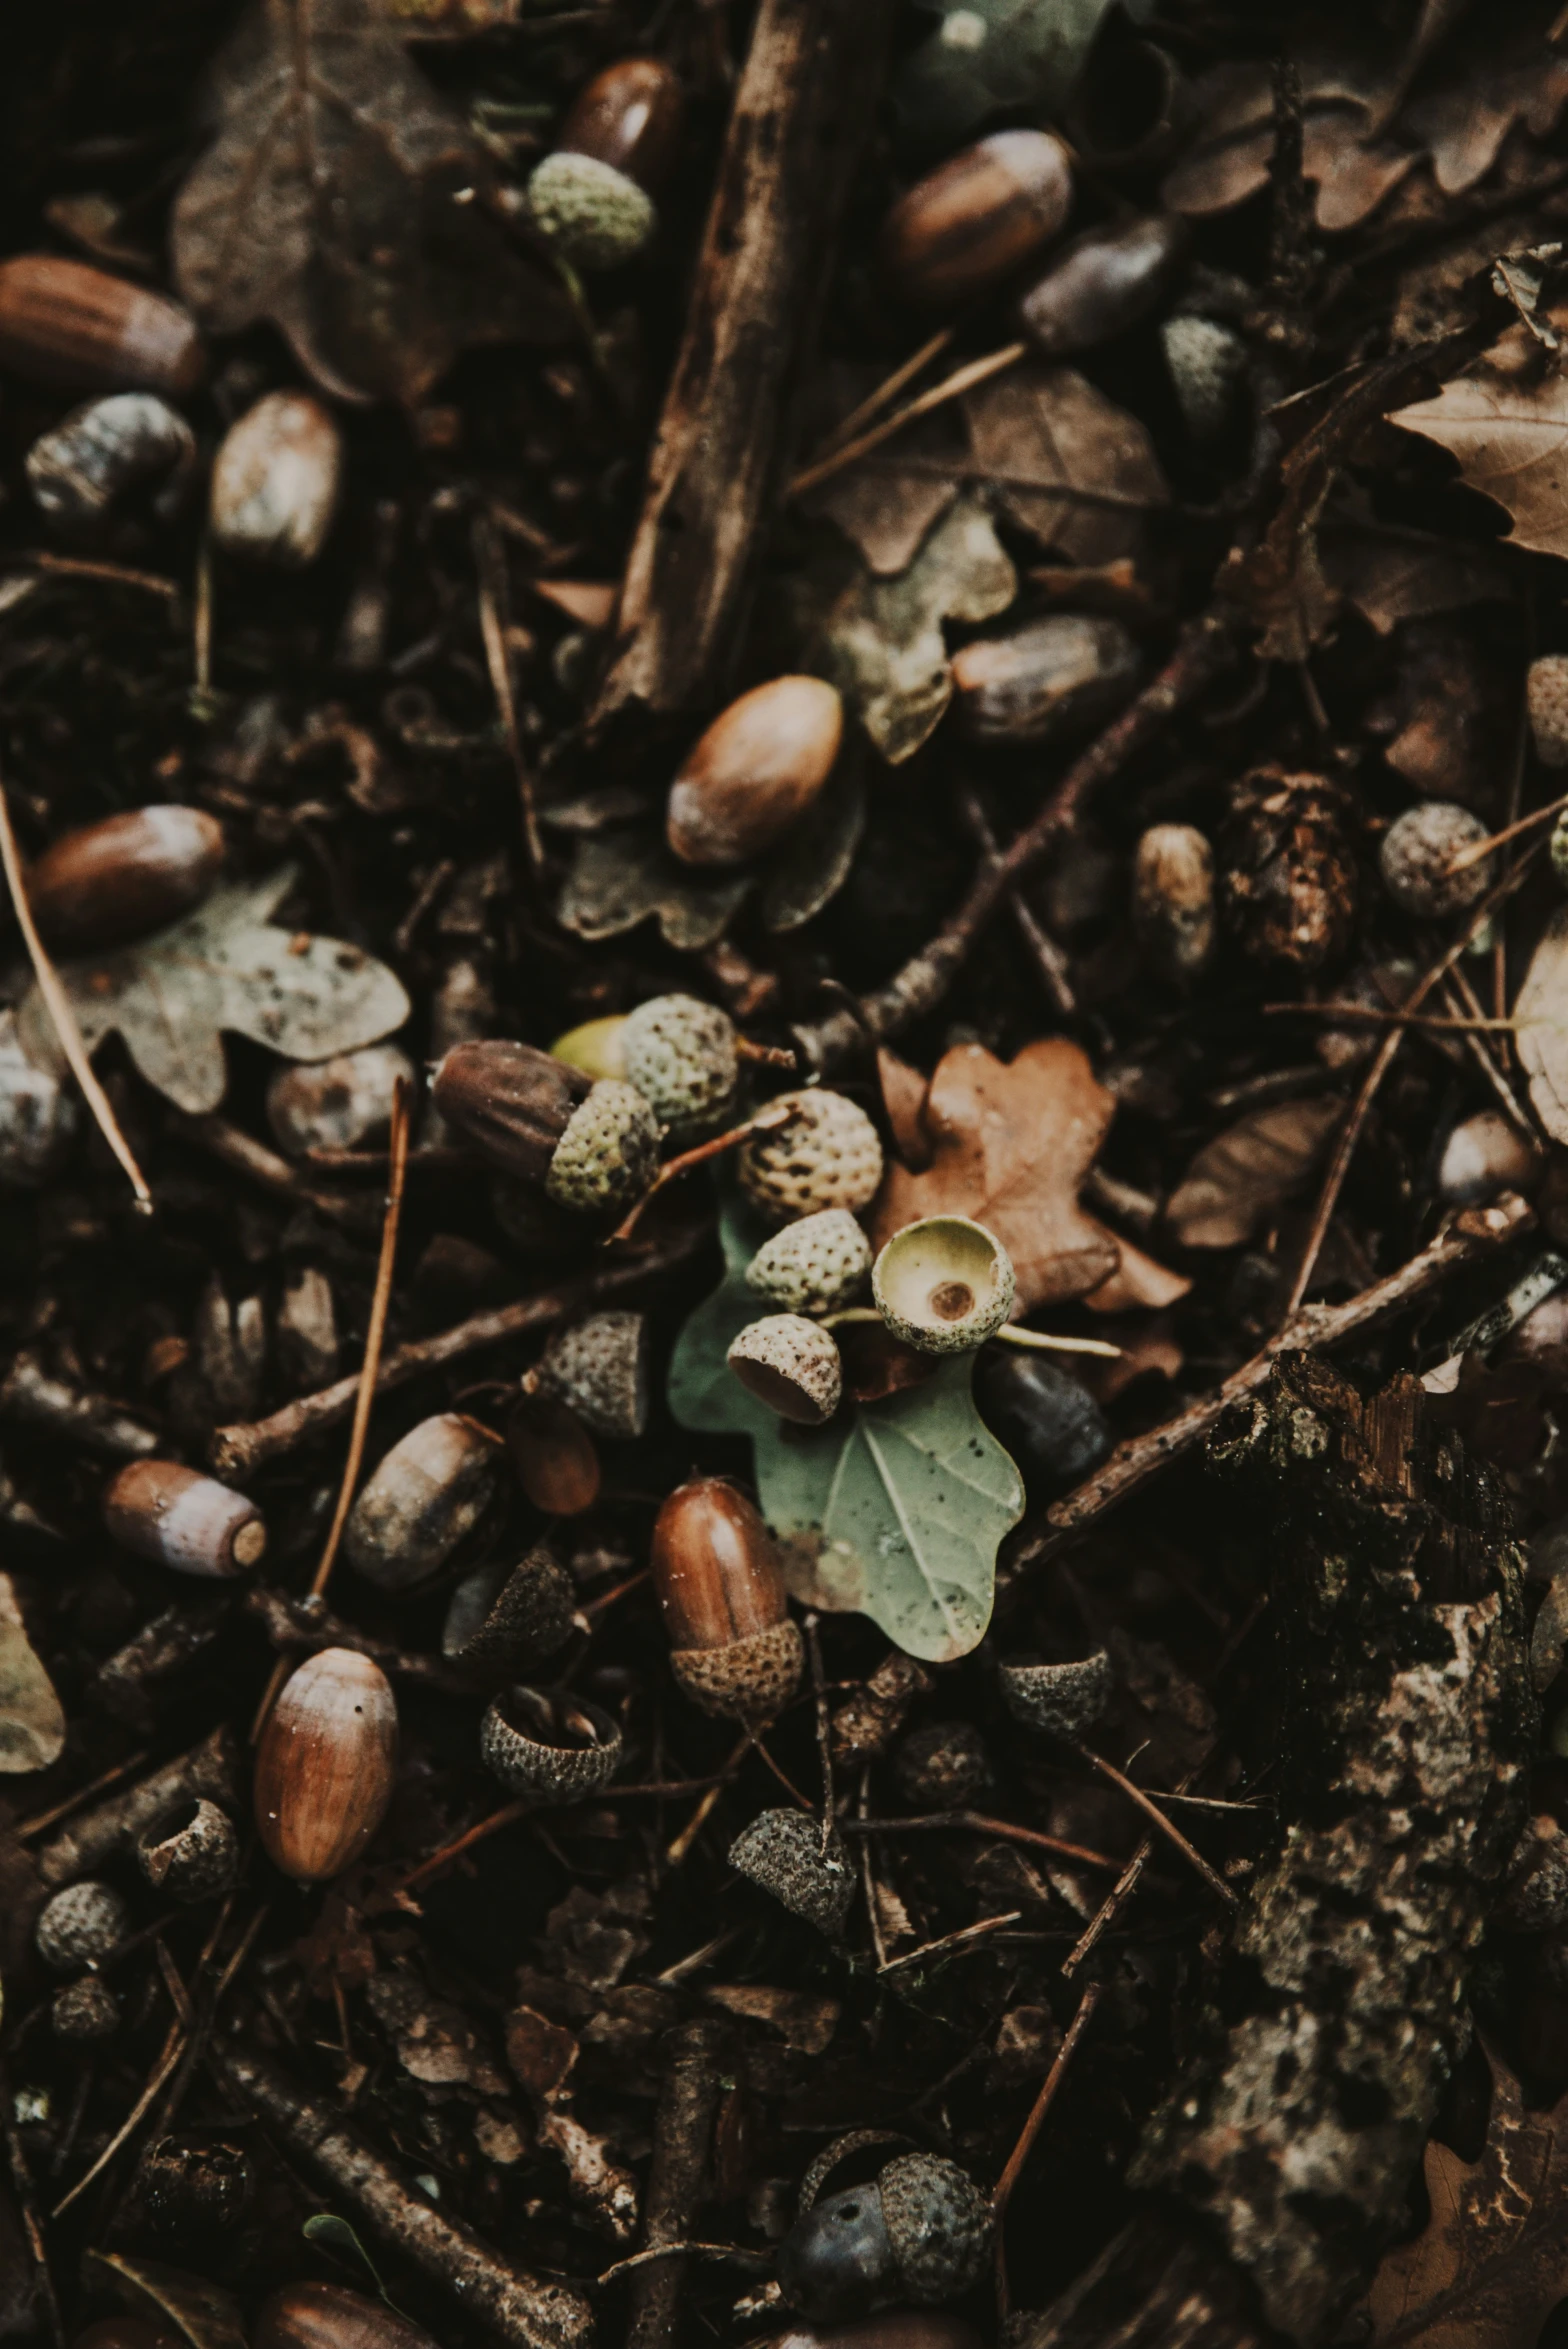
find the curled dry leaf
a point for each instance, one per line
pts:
(1510, 434)
(1245, 1175)
(344, 201)
(1067, 464)
(171, 996)
(32, 1718)
(1011, 1142)
(1541, 1032)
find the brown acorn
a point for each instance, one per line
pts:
(330, 2316)
(977, 218)
(754, 772)
(64, 323)
(118, 880)
(275, 481)
(430, 1490)
(554, 1456)
(513, 1100)
(630, 116)
(721, 1592)
(1287, 871)
(325, 1765)
(1046, 679)
(1103, 282)
(183, 1520)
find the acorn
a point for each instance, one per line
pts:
(553, 1456)
(680, 1055)
(1045, 679)
(1287, 873)
(325, 1765)
(501, 1621)
(597, 1048)
(977, 217)
(82, 1926)
(593, 215)
(1103, 282)
(828, 1155)
(330, 2316)
(921, 2232)
(275, 481)
(790, 1364)
(1063, 1699)
(1546, 699)
(117, 880)
(1207, 364)
(1047, 1419)
(430, 1490)
(181, 1519)
(721, 1593)
(755, 772)
(84, 2012)
(190, 1853)
(599, 1368)
(64, 323)
(1417, 854)
(103, 455)
(782, 1853)
(608, 1154)
(1484, 1155)
(344, 1103)
(630, 115)
(943, 1285)
(549, 1745)
(513, 1100)
(39, 1114)
(1173, 901)
(814, 1266)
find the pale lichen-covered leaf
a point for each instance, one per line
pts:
(225, 966)
(895, 1509)
(1541, 1031)
(881, 642)
(207, 2315)
(624, 876)
(32, 1718)
(811, 865)
(988, 54)
(1246, 1174)
(1066, 464)
(1510, 435)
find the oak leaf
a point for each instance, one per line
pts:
(1066, 464)
(346, 202)
(1541, 1026)
(1492, 2261)
(1510, 435)
(1244, 1176)
(1011, 1143)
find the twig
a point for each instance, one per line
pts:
(1479, 849)
(1109, 1909)
(976, 1823)
(621, 2267)
(58, 1005)
(112, 574)
(1049, 2087)
(173, 2049)
(958, 1940)
(888, 390)
(951, 387)
(1371, 1014)
(682, 2134)
(824, 1728)
(26, 1828)
(238, 1450)
(868, 1876)
(766, 1121)
(1167, 1827)
(493, 599)
(233, 1147)
(1049, 960)
(81, 1848)
(677, 1851)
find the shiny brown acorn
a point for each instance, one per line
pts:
(513, 1100)
(325, 1765)
(430, 1490)
(330, 2316)
(754, 772)
(275, 481)
(181, 1519)
(119, 879)
(64, 323)
(721, 1593)
(1103, 282)
(984, 213)
(630, 116)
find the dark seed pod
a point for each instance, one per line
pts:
(431, 1489)
(190, 2186)
(977, 218)
(941, 1767)
(84, 2012)
(102, 456)
(325, 1765)
(1064, 1699)
(721, 1593)
(1049, 678)
(330, 2316)
(630, 116)
(190, 1853)
(920, 2233)
(1048, 1419)
(599, 1366)
(1103, 282)
(114, 881)
(180, 1519)
(548, 1745)
(501, 1623)
(781, 1852)
(1287, 874)
(512, 1100)
(80, 1927)
(553, 1455)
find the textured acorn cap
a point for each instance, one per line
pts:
(813, 1266)
(828, 1155)
(190, 1852)
(552, 1747)
(680, 1055)
(782, 1852)
(600, 1367)
(1417, 850)
(790, 1364)
(592, 214)
(609, 1152)
(1546, 696)
(938, 2222)
(1066, 1699)
(1206, 362)
(944, 1284)
(81, 1926)
(749, 1679)
(84, 2011)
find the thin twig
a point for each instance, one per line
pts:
(977, 1823)
(111, 574)
(84, 1794)
(766, 1121)
(1167, 1827)
(491, 569)
(1049, 960)
(868, 1876)
(824, 1728)
(1480, 849)
(949, 1941)
(951, 387)
(1049, 2089)
(888, 390)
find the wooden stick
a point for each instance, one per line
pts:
(886, 392)
(1049, 2089)
(1166, 1827)
(951, 387)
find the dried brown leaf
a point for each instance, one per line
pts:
(346, 202)
(1391, 578)
(32, 1718)
(1245, 1175)
(1510, 434)
(1068, 465)
(1541, 1035)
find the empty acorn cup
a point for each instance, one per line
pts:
(1065, 1699)
(551, 1746)
(944, 1284)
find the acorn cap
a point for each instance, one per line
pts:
(592, 214)
(790, 1364)
(750, 1679)
(828, 1155)
(1206, 362)
(1065, 1699)
(1417, 850)
(549, 1745)
(938, 2222)
(600, 1367)
(190, 1852)
(1546, 697)
(1557, 850)
(81, 1926)
(680, 1054)
(944, 1284)
(499, 1622)
(813, 1266)
(609, 1152)
(83, 2011)
(782, 1852)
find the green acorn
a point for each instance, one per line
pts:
(592, 214)
(680, 1055)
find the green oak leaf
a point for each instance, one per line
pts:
(985, 55)
(895, 1509)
